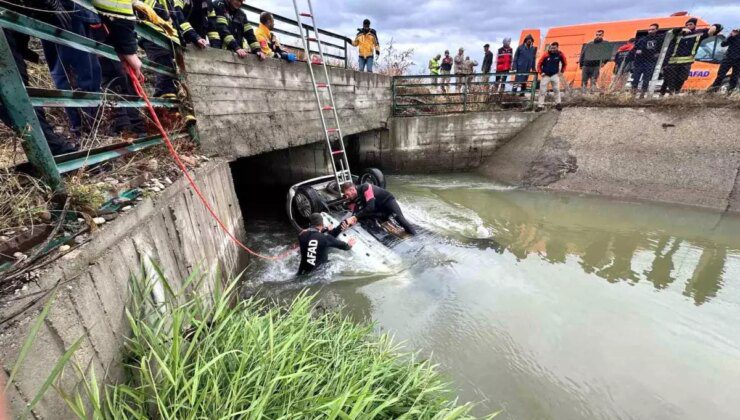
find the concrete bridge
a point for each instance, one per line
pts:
(248, 108)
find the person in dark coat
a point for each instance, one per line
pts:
(525, 61)
(682, 52)
(646, 54)
(487, 63)
(731, 61)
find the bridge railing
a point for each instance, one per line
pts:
(21, 101)
(335, 46)
(458, 93)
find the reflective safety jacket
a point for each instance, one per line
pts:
(269, 42)
(233, 29)
(367, 43)
(434, 67)
(684, 47)
(165, 10)
(121, 9)
(193, 18)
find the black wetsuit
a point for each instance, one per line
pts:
(315, 247)
(376, 203)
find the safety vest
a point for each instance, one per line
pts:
(163, 9)
(434, 66)
(121, 9)
(686, 47)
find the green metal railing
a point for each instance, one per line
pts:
(448, 94)
(20, 101)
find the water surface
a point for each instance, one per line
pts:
(552, 306)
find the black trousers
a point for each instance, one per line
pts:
(674, 76)
(163, 84)
(391, 208)
(725, 68)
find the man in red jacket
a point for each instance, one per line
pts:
(503, 63)
(551, 67)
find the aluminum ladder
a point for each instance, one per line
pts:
(337, 153)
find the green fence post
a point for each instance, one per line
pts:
(18, 105)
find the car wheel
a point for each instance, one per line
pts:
(372, 176)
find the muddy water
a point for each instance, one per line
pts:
(552, 306)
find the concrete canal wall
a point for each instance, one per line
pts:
(689, 156)
(173, 229)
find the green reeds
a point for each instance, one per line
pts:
(196, 358)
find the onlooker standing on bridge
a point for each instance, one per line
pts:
(469, 69)
(590, 69)
(682, 52)
(646, 52)
(446, 69)
(623, 61)
(551, 66)
(367, 42)
(460, 69)
(525, 61)
(503, 63)
(434, 66)
(730, 62)
(487, 63)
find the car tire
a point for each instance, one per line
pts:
(305, 202)
(372, 176)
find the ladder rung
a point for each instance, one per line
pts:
(306, 14)
(312, 39)
(337, 152)
(328, 108)
(332, 130)
(322, 85)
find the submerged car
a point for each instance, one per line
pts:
(323, 195)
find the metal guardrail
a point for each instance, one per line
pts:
(337, 45)
(21, 101)
(456, 93)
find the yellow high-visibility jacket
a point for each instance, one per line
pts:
(367, 43)
(266, 39)
(121, 9)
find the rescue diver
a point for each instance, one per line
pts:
(316, 241)
(372, 202)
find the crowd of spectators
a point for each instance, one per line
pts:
(635, 63)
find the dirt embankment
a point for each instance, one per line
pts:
(681, 156)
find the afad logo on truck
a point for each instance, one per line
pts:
(699, 73)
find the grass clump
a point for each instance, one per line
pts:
(197, 360)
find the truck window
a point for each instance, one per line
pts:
(719, 50)
(706, 49)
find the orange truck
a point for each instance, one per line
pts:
(572, 39)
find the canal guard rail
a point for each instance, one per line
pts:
(21, 101)
(458, 93)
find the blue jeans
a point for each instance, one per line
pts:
(367, 62)
(642, 71)
(74, 69)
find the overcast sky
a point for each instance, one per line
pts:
(431, 26)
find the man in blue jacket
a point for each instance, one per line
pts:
(525, 61)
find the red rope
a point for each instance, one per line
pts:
(140, 91)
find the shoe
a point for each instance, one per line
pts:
(63, 148)
(559, 107)
(539, 109)
(168, 96)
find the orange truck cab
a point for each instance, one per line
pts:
(572, 39)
